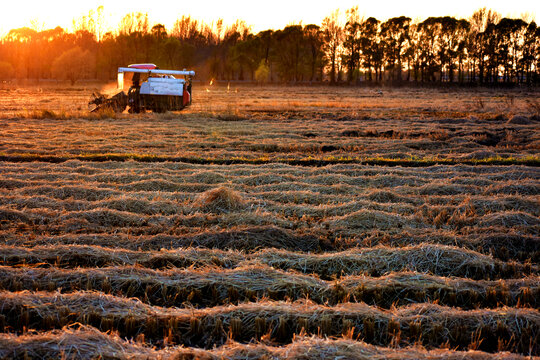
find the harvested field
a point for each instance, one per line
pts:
(252, 226)
(213, 285)
(84, 342)
(418, 323)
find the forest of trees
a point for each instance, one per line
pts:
(484, 49)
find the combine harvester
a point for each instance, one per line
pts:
(151, 89)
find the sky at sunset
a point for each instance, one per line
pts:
(261, 15)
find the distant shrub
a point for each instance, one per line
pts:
(262, 72)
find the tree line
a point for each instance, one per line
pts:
(483, 49)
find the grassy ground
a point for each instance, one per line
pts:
(271, 223)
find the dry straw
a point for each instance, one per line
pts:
(501, 243)
(212, 286)
(368, 219)
(84, 342)
(220, 200)
(436, 259)
(285, 219)
(427, 324)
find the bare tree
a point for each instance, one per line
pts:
(352, 42)
(395, 35)
(371, 47)
(314, 38)
(333, 36)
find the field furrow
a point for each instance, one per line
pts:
(427, 324)
(440, 260)
(347, 228)
(211, 286)
(502, 245)
(85, 341)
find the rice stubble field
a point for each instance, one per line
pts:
(277, 223)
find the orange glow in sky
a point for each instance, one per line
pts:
(261, 15)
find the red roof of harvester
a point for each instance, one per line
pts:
(143, 66)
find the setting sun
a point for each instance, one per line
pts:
(259, 15)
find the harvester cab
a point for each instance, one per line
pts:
(151, 89)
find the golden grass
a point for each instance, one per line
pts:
(219, 200)
(303, 160)
(83, 342)
(436, 259)
(366, 219)
(426, 324)
(107, 218)
(200, 135)
(207, 177)
(73, 342)
(375, 261)
(47, 114)
(201, 228)
(132, 199)
(510, 219)
(503, 244)
(215, 285)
